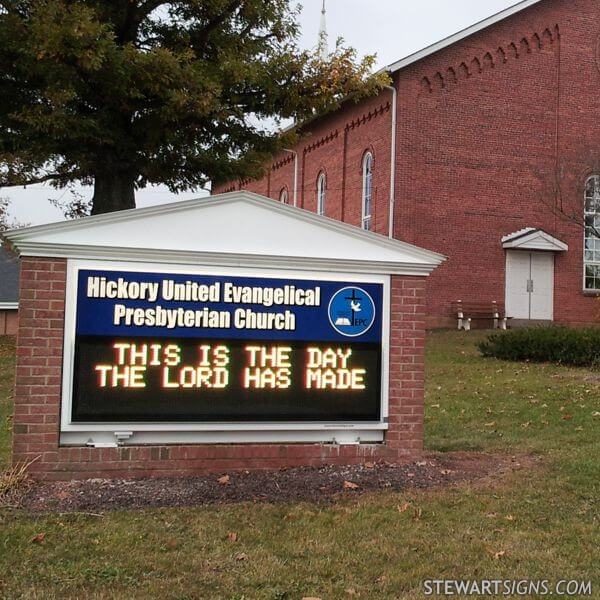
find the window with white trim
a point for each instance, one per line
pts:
(591, 259)
(367, 190)
(283, 196)
(321, 191)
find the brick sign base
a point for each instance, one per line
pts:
(38, 399)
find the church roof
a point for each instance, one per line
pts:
(9, 279)
(441, 44)
(460, 35)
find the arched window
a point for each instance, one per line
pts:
(321, 191)
(283, 196)
(591, 257)
(367, 190)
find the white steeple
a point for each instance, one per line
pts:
(322, 47)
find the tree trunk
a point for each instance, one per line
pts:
(113, 190)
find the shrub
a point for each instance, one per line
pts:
(561, 345)
(14, 483)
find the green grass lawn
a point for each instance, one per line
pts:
(539, 522)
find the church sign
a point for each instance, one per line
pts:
(152, 346)
(229, 332)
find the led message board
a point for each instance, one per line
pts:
(156, 347)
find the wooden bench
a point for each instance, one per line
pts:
(467, 312)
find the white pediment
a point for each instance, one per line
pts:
(531, 238)
(236, 228)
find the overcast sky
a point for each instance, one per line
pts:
(391, 29)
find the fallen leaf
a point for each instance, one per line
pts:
(491, 515)
(348, 485)
(40, 538)
(596, 414)
(172, 543)
(403, 507)
(511, 518)
(369, 465)
(567, 417)
(492, 424)
(410, 475)
(310, 598)
(63, 495)
(241, 556)
(500, 554)
(232, 537)
(446, 472)
(224, 480)
(422, 463)
(417, 514)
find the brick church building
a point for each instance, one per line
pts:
(485, 149)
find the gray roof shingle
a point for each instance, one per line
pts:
(9, 276)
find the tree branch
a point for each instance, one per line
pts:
(148, 7)
(219, 19)
(34, 180)
(557, 207)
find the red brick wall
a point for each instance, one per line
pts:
(493, 133)
(38, 398)
(8, 322)
(481, 153)
(336, 145)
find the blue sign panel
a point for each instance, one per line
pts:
(161, 305)
(180, 347)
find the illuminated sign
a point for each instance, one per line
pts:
(155, 347)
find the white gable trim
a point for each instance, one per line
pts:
(91, 238)
(224, 260)
(533, 239)
(457, 37)
(9, 306)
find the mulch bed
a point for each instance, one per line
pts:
(325, 484)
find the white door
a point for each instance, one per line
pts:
(530, 285)
(518, 271)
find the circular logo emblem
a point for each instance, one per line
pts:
(351, 311)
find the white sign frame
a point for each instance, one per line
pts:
(205, 433)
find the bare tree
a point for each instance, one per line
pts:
(586, 216)
(6, 221)
(75, 207)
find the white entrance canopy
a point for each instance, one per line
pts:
(531, 238)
